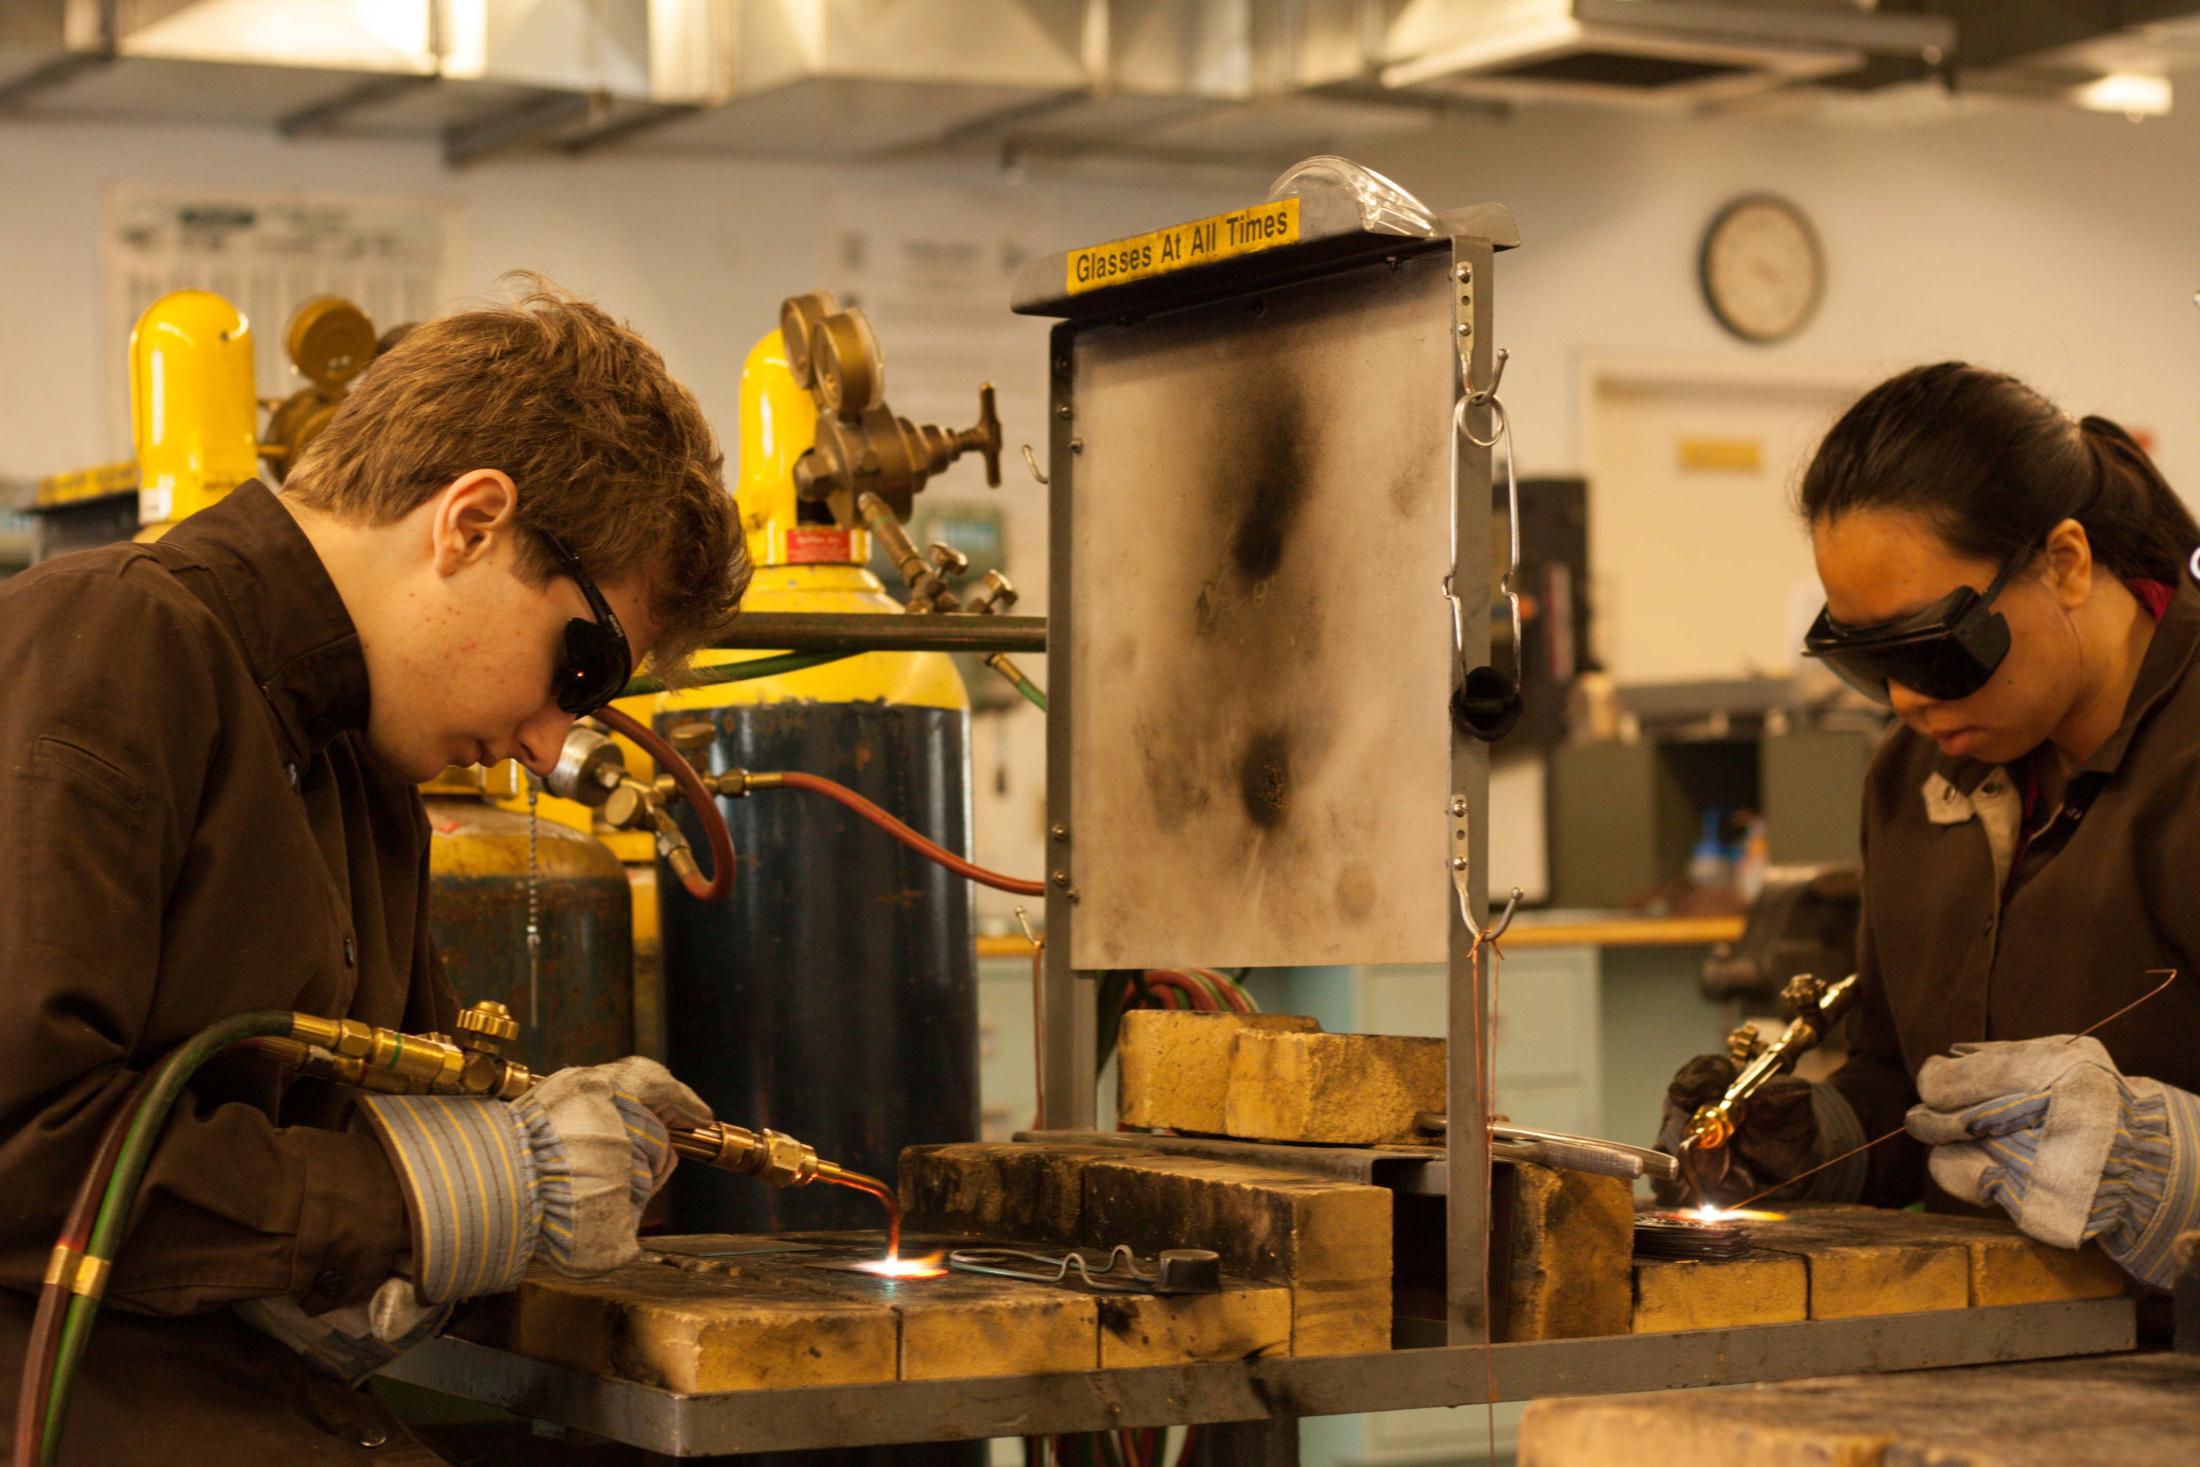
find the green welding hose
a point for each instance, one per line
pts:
(741, 672)
(160, 1096)
(1001, 663)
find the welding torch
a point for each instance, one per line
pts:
(347, 1052)
(1813, 1007)
(351, 1053)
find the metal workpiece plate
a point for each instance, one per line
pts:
(954, 1410)
(715, 1245)
(1259, 644)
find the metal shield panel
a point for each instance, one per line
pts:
(1261, 752)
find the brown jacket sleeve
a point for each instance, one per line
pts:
(1875, 1079)
(109, 737)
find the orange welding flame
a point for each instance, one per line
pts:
(894, 1266)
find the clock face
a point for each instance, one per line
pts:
(1762, 269)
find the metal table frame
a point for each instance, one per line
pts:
(1266, 1395)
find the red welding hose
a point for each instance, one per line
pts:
(1232, 994)
(1199, 997)
(53, 1299)
(698, 794)
(931, 850)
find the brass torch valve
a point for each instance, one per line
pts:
(350, 1052)
(772, 1157)
(1813, 1007)
(592, 770)
(862, 447)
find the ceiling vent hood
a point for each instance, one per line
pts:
(1672, 54)
(33, 39)
(1190, 83)
(481, 75)
(855, 79)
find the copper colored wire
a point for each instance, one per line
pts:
(1486, 1098)
(1899, 1130)
(1038, 1017)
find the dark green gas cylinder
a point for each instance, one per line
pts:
(580, 1010)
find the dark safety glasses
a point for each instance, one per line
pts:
(598, 661)
(1946, 652)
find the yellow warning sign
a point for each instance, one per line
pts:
(1201, 242)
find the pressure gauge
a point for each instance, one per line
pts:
(1761, 268)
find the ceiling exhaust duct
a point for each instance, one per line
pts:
(868, 78)
(1669, 54)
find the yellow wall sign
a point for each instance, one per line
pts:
(1722, 455)
(1201, 242)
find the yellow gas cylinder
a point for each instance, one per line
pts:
(194, 408)
(576, 1004)
(833, 992)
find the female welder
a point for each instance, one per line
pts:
(2014, 583)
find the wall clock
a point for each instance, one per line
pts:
(1761, 268)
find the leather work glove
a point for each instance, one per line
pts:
(1789, 1126)
(561, 1174)
(2051, 1132)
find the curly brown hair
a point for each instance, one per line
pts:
(609, 453)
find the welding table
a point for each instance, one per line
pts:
(1257, 1404)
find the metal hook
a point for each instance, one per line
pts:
(1489, 394)
(1031, 461)
(1498, 928)
(1478, 397)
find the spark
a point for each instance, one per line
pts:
(1710, 1214)
(894, 1266)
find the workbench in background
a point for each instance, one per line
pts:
(2129, 1410)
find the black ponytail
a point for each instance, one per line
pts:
(1993, 466)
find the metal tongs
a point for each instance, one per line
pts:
(1580, 1153)
(1569, 1153)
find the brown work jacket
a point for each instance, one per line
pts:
(191, 827)
(1974, 931)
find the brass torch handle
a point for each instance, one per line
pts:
(1713, 1124)
(770, 1156)
(371, 1058)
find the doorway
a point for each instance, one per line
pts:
(1698, 566)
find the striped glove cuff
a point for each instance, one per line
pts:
(474, 1187)
(653, 1154)
(575, 1165)
(2150, 1188)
